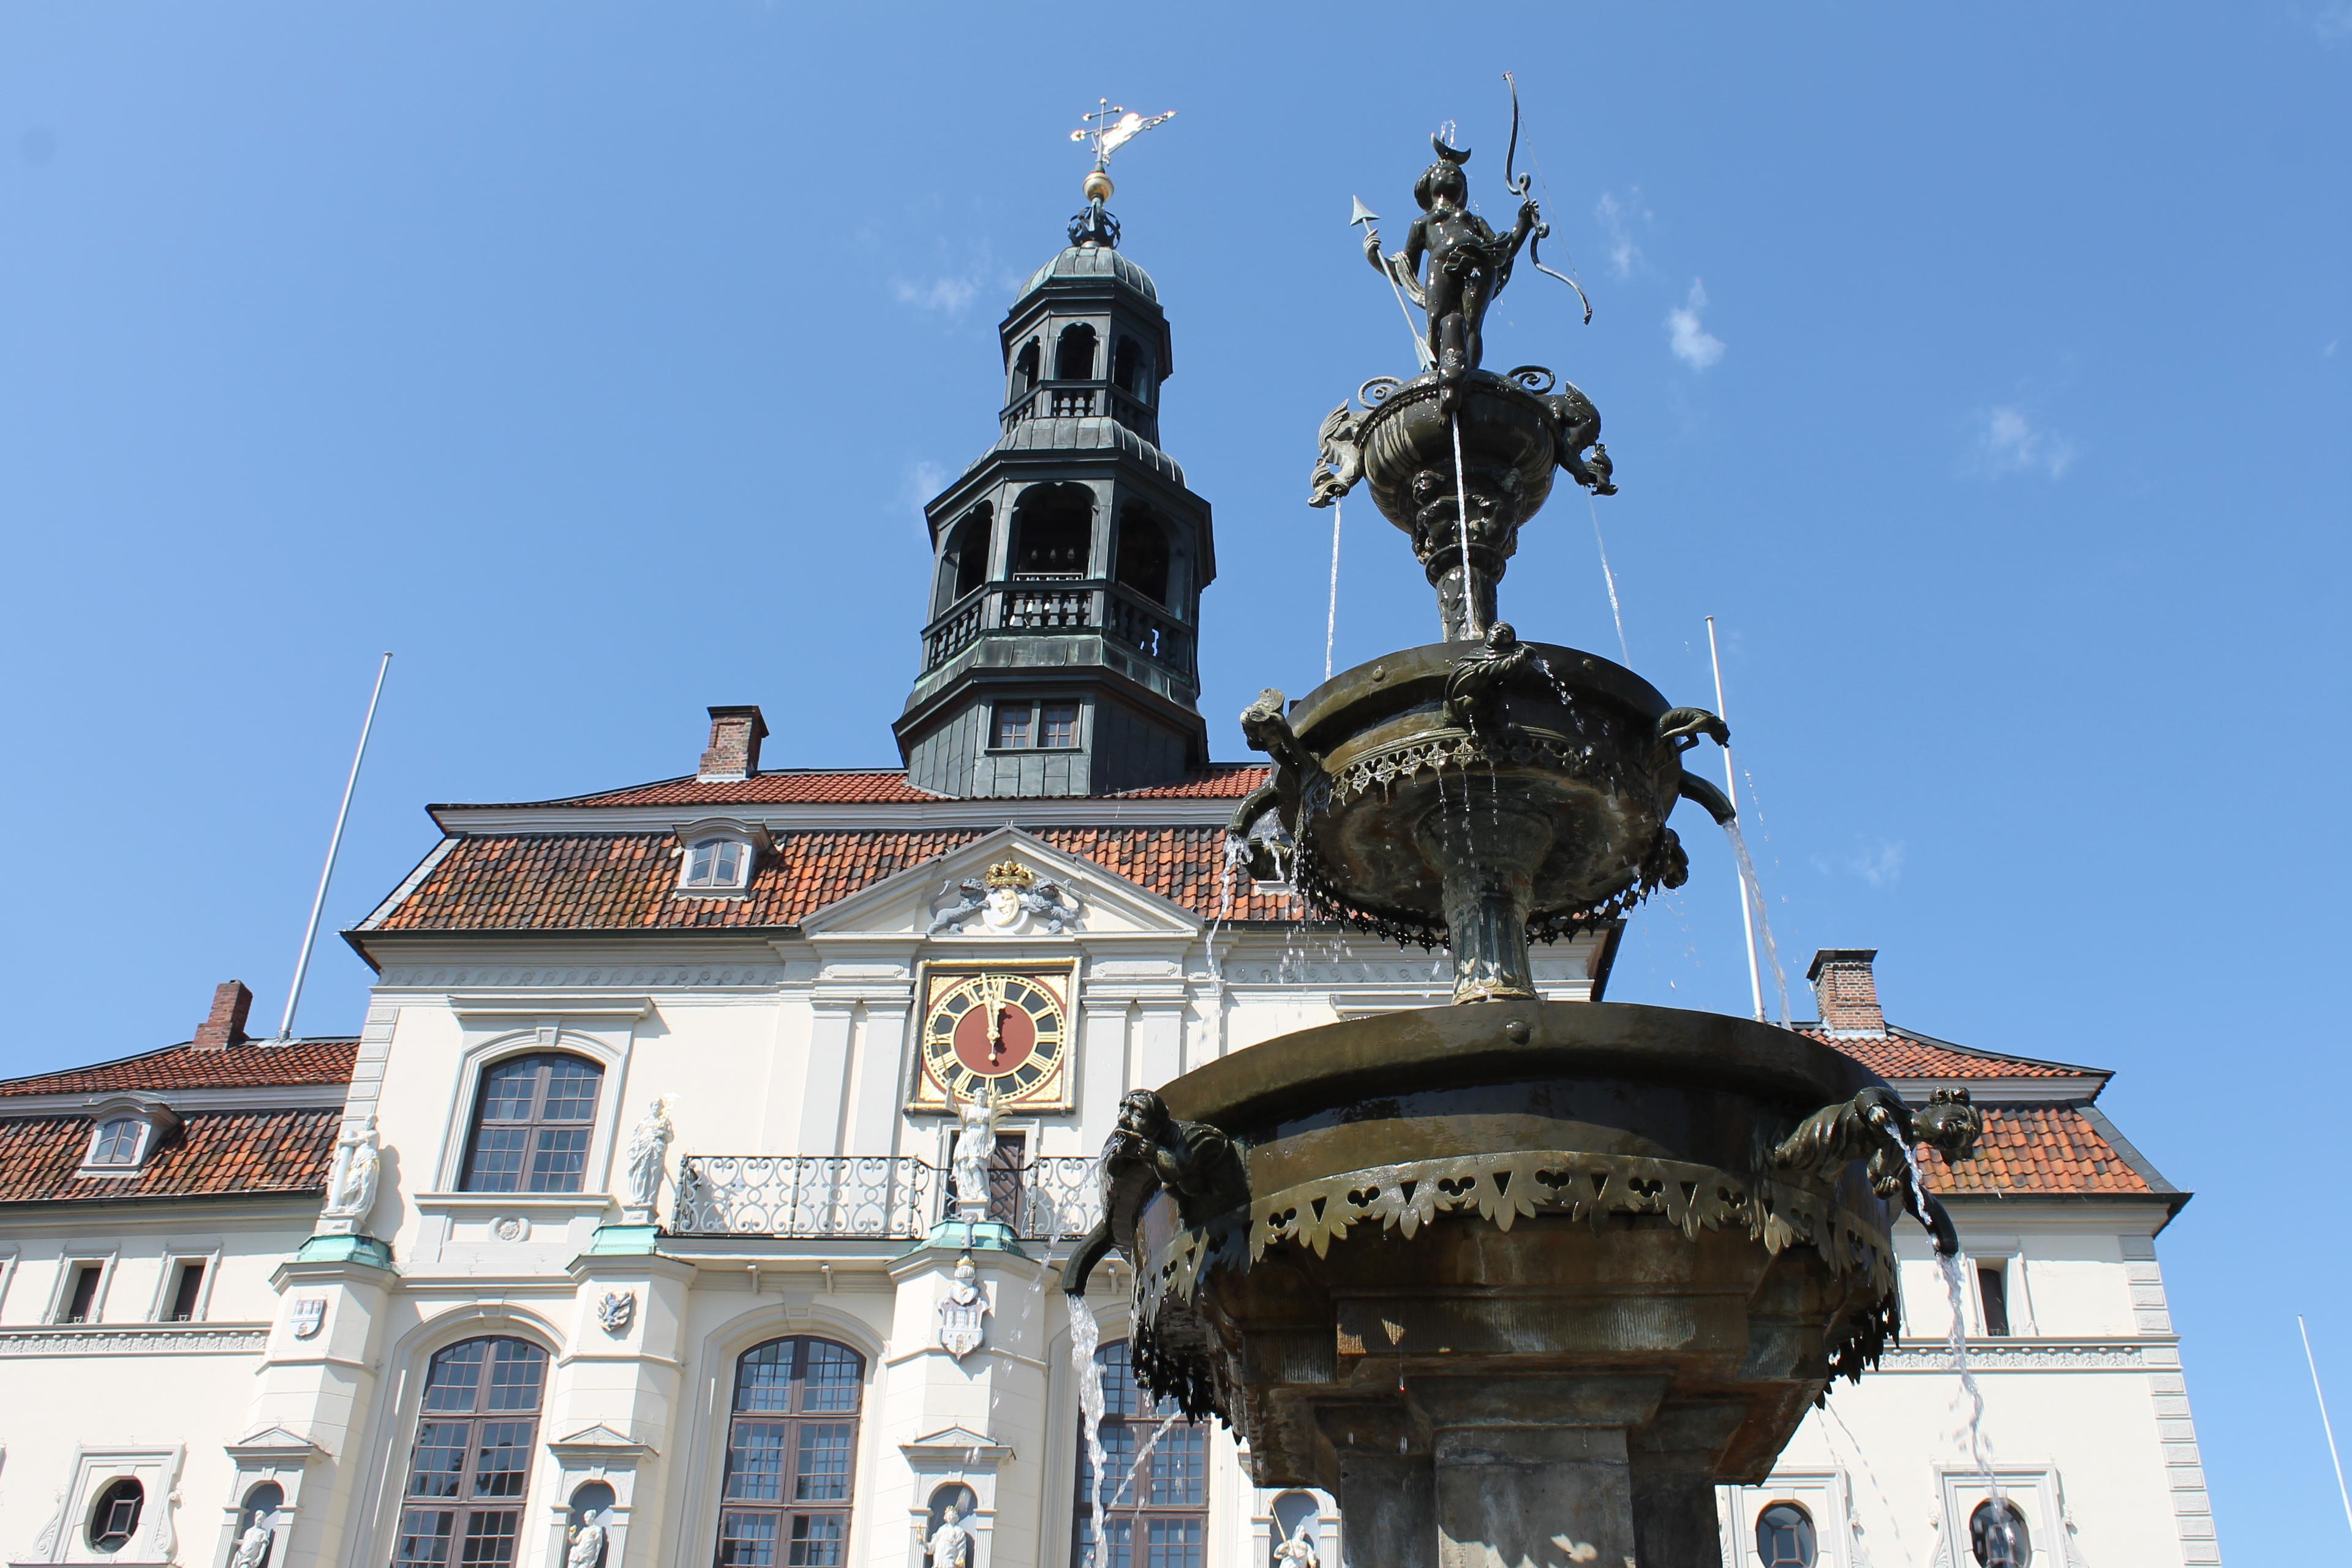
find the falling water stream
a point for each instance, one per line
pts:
(1763, 919)
(1086, 1338)
(1609, 578)
(1954, 1269)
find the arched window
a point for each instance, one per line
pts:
(1998, 1537)
(1074, 353)
(717, 863)
(1784, 1537)
(532, 1124)
(114, 1517)
(1025, 369)
(791, 1443)
(1053, 531)
(258, 1510)
(963, 566)
(1143, 554)
(1155, 1502)
(1130, 368)
(472, 1466)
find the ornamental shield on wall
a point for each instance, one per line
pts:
(310, 1314)
(961, 1311)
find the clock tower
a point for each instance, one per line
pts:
(1058, 656)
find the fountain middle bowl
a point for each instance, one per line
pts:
(1556, 769)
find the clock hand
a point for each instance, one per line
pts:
(992, 990)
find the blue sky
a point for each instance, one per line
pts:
(1983, 371)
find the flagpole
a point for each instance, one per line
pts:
(334, 846)
(2325, 1424)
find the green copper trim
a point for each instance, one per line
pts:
(364, 1249)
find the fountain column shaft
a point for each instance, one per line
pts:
(1487, 856)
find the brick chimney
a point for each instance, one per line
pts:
(1847, 990)
(225, 1026)
(735, 737)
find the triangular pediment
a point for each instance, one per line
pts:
(950, 901)
(275, 1441)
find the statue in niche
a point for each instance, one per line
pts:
(951, 1543)
(351, 1185)
(587, 1544)
(1297, 1551)
(647, 1155)
(252, 1547)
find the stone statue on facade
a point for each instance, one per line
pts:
(647, 1156)
(252, 1547)
(951, 1543)
(587, 1548)
(351, 1182)
(974, 1148)
(1297, 1549)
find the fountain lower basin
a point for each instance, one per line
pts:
(1514, 1280)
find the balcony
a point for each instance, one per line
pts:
(1084, 400)
(884, 1197)
(1062, 603)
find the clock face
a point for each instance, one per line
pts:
(993, 1031)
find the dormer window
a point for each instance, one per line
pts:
(124, 1135)
(717, 857)
(716, 863)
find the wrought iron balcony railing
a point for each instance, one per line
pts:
(1084, 400)
(1060, 603)
(894, 1197)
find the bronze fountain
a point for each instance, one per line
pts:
(1520, 1282)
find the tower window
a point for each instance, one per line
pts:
(1143, 554)
(1053, 531)
(1127, 367)
(1025, 369)
(187, 1290)
(1011, 730)
(1992, 1290)
(1074, 353)
(1057, 726)
(969, 552)
(114, 1518)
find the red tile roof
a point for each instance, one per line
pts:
(252, 1064)
(628, 881)
(2039, 1151)
(211, 1153)
(873, 786)
(788, 787)
(1910, 1056)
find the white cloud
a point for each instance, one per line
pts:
(922, 482)
(1879, 864)
(2010, 443)
(1624, 254)
(1691, 342)
(950, 295)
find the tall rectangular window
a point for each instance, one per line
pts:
(1059, 726)
(187, 1290)
(1011, 725)
(81, 1296)
(531, 1125)
(1992, 1290)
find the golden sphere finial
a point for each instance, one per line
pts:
(1098, 186)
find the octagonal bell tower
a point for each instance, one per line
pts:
(1068, 562)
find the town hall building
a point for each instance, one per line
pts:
(623, 1233)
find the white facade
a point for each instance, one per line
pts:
(308, 1372)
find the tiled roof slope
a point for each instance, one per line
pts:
(213, 1153)
(1899, 1055)
(247, 1065)
(2033, 1150)
(626, 881)
(871, 787)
